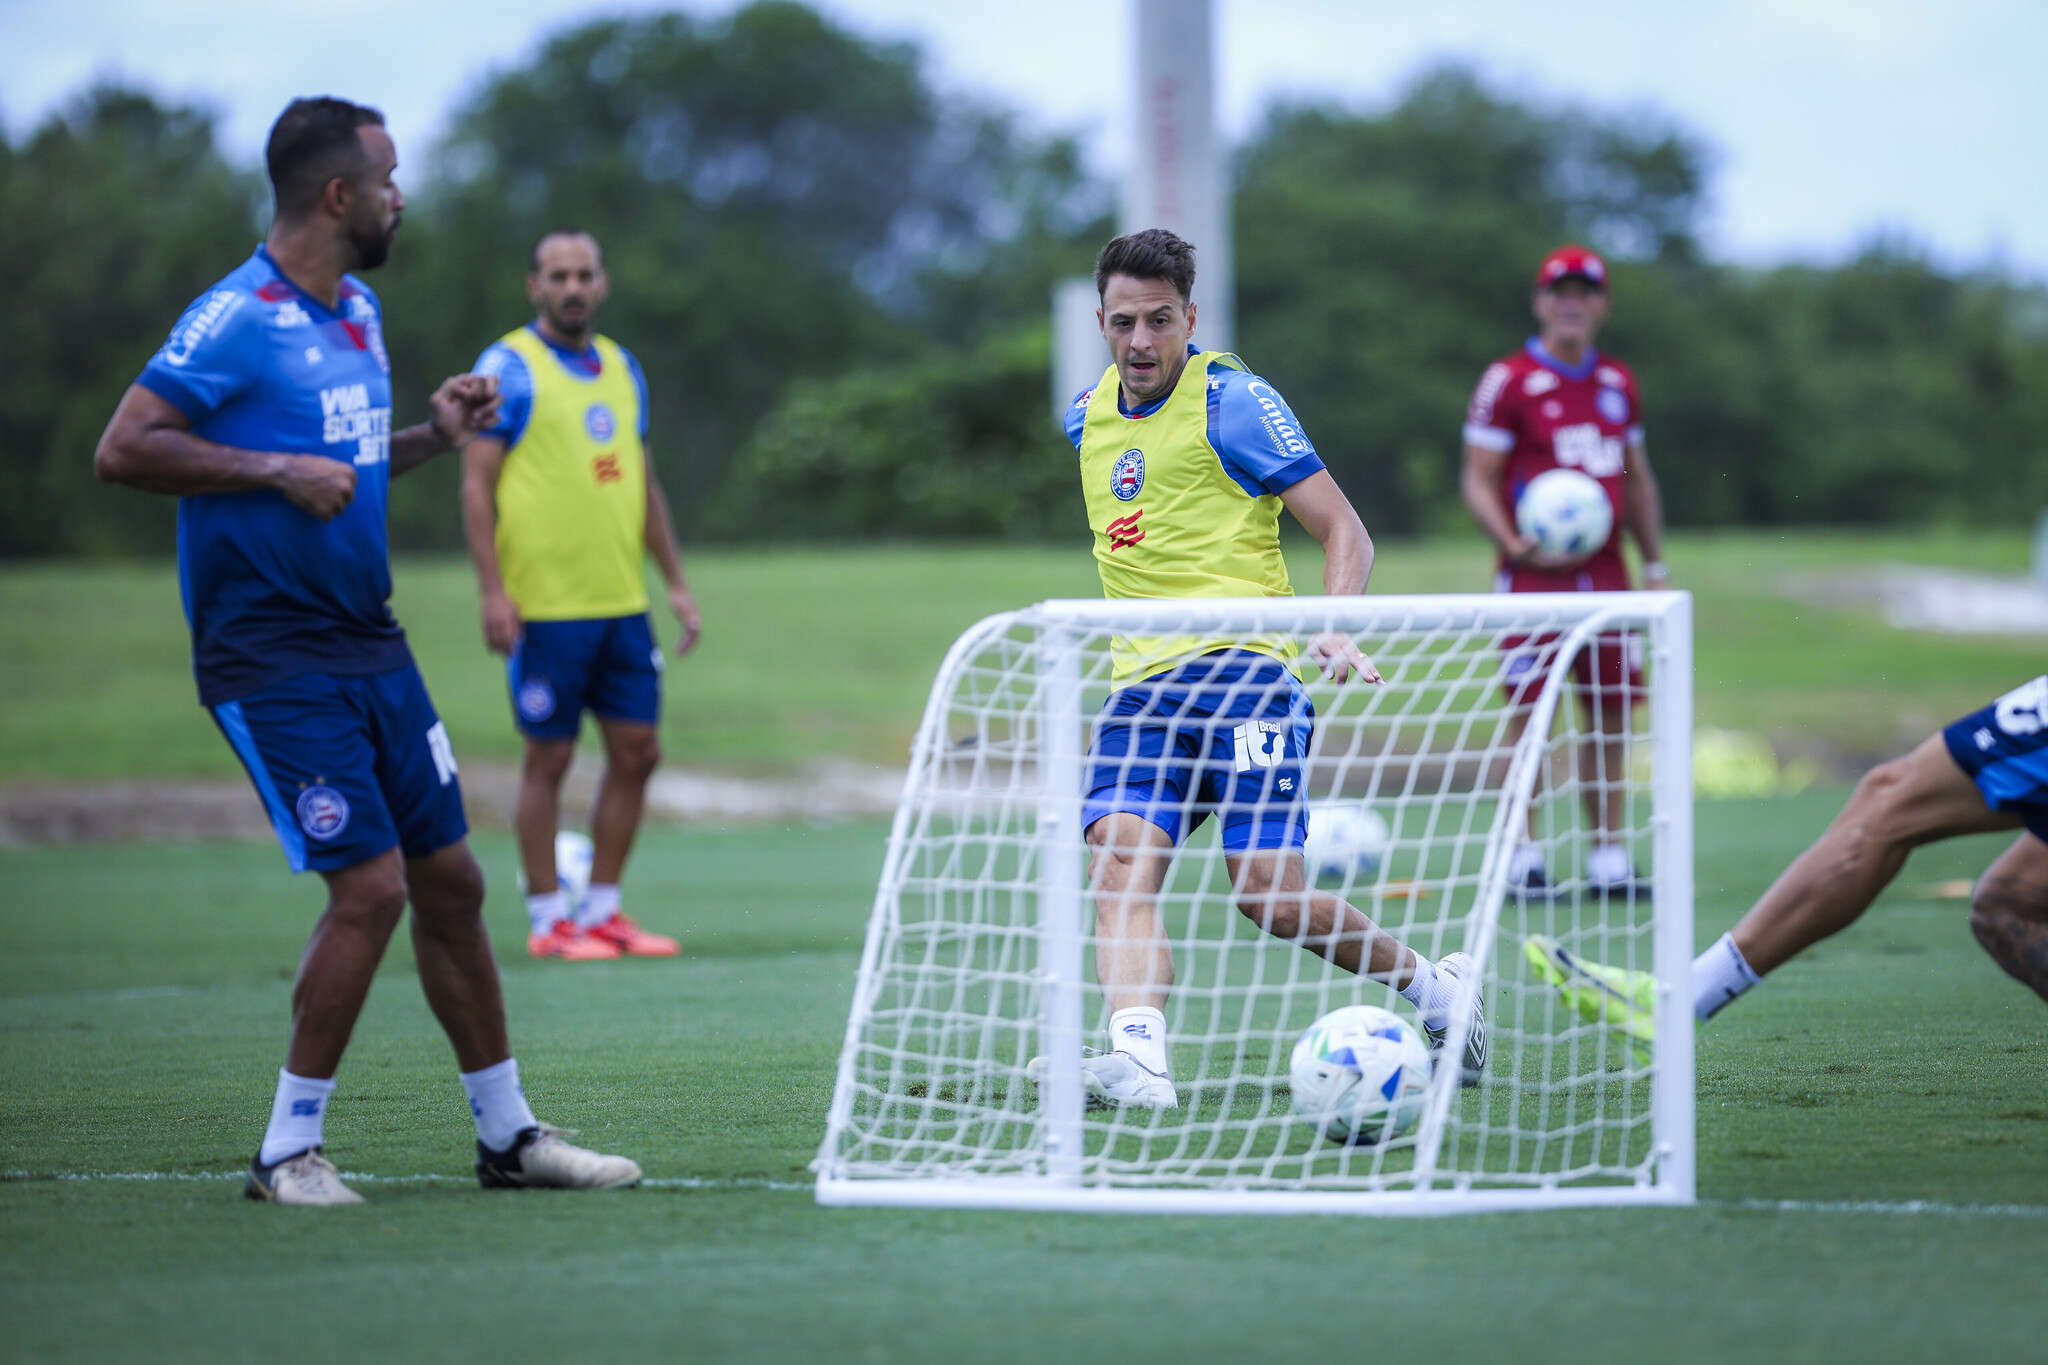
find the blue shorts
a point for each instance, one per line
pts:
(1224, 734)
(2004, 749)
(609, 667)
(349, 766)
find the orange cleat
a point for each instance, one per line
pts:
(630, 939)
(567, 943)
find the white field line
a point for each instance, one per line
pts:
(1922, 1208)
(365, 1178)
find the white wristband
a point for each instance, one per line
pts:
(1655, 569)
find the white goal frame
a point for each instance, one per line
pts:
(1062, 1179)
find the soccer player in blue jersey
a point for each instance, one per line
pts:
(1985, 772)
(1186, 461)
(561, 508)
(268, 415)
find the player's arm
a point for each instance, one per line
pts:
(149, 444)
(483, 460)
(1325, 513)
(661, 543)
(1643, 514)
(1480, 483)
(462, 406)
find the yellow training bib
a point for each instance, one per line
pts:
(1169, 520)
(572, 495)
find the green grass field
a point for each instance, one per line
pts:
(830, 651)
(142, 1013)
(1873, 1130)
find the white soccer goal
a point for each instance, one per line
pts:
(980, 950)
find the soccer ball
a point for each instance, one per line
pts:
(1360, 1074)
(1345, 839)
(1565, 512)
(573, 855)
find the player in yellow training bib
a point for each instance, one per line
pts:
(1187, 459)
(560, 505)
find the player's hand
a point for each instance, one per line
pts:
(502, 627)
(464, 405)
(318, 486)
(1656, 578)
(1339, 656)
(685, 608)
(1525, 553)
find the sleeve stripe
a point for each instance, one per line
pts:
(1489, 438)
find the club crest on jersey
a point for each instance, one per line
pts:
(323, 812)
(1613, 405)
(597, 420)
(536, 699)
(1127, 476)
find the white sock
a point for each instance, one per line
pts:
(1141, 1031)
(297, 1116)
(1719, 975)
(498, 1104)
(1528, 858)
(1608, 863)
(600, 903)
(1429, 993)
(546, 908)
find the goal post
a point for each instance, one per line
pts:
(981, 946)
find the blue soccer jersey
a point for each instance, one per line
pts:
(270, 591)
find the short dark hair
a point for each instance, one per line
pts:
(1154, 254)
(313, 141)
(534, 266)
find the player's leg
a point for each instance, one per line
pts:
(1139, 766)
(1261, 797)
(1610, 685)
(1129, 856)
(548, 673)
(2009, 912)
(309, 752)
(1524, 660)
(625, 695)
(1898, 806)
(417, 775)
(1922, 798)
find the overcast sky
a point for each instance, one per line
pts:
(1830, 119)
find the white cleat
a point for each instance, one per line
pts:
(544, 1159)
(308, 1178)
(1116, 1080)
(1459, 967)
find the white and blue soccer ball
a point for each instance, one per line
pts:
(1565, 512)
(1360, 1074)
(574, 854)
(1346, 840)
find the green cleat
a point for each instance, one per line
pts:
(1615, 996)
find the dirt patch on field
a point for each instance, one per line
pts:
(173, 810)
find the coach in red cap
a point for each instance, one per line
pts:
(1559, 403)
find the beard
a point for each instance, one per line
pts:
(372, 246)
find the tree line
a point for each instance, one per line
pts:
(837, 278)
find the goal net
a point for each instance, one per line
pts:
(981, 950)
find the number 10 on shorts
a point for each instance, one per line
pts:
(1260, 744)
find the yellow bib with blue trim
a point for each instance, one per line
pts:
(572, 494)
(1169, 521)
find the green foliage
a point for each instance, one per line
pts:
(818, 258)
(957, 444)
(120, 211)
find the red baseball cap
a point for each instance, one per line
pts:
(1572, 263)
